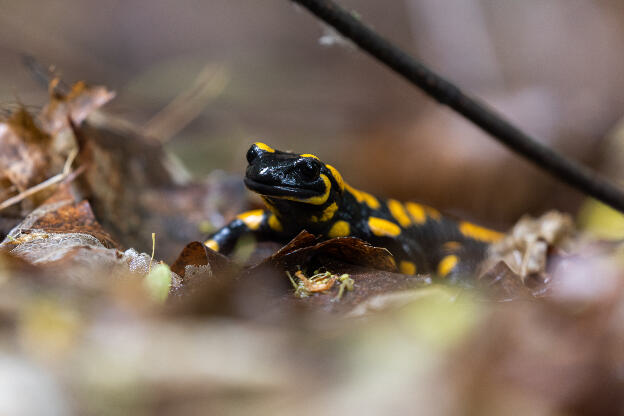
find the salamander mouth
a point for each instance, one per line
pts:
(280, 190)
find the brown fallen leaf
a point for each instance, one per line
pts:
(517, 265)
(196, 254)
(526, 247)
(61, 214)
(305, 247)
(24, 151)
(81, 101)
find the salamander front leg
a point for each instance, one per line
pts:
(260, 223)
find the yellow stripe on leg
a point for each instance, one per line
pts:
(212, 244)
(252, 219)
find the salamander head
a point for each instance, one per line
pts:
(284, 178)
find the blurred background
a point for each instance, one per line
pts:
(82, 333)
(240, 71)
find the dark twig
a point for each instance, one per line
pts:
(474, 110)
(43, 75)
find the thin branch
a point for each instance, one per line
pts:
(43, 185)
(445, 92)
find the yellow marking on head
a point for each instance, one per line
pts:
(265, 147)
(212, 244)
(314, 200)
(362, 196)
(407, 267)
(328, 213)
(420, 212)
(447, 264)
(339, 229)
(479, 233)
(252, 219)
(275, 224)
(398, 212)
(337, 177)
(309, 155)
(383, 228)
(451, 245)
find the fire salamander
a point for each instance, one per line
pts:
(301, 192)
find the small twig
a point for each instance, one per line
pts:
(47, 77)
(43, 185)
(183, 109)
(445, 92)
(149, 268)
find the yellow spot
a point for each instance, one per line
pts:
(328, 213)
(479, 233)
(417, 212)
(339, 229)
(420, 212)
(433, 213)
(252, 219)
(407, 267)
(451, 245)
(398, 212)
(447, 264)
(212, 244)
(362, 196)
(383, 228)
(275, 224)
(309, 155)
(337, 177)
(314, 200)
(265, 147)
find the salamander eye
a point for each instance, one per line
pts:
(253, 152)
(309, 169)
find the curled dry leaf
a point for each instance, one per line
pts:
(24, 151)
(76, 106)
(196, 255)
(305, 247)
(33, 149)
(517, 265)
(525, 248)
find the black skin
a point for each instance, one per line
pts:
(277, 175)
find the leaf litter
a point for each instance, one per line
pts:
(95, 325)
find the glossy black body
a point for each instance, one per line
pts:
(303, 193)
